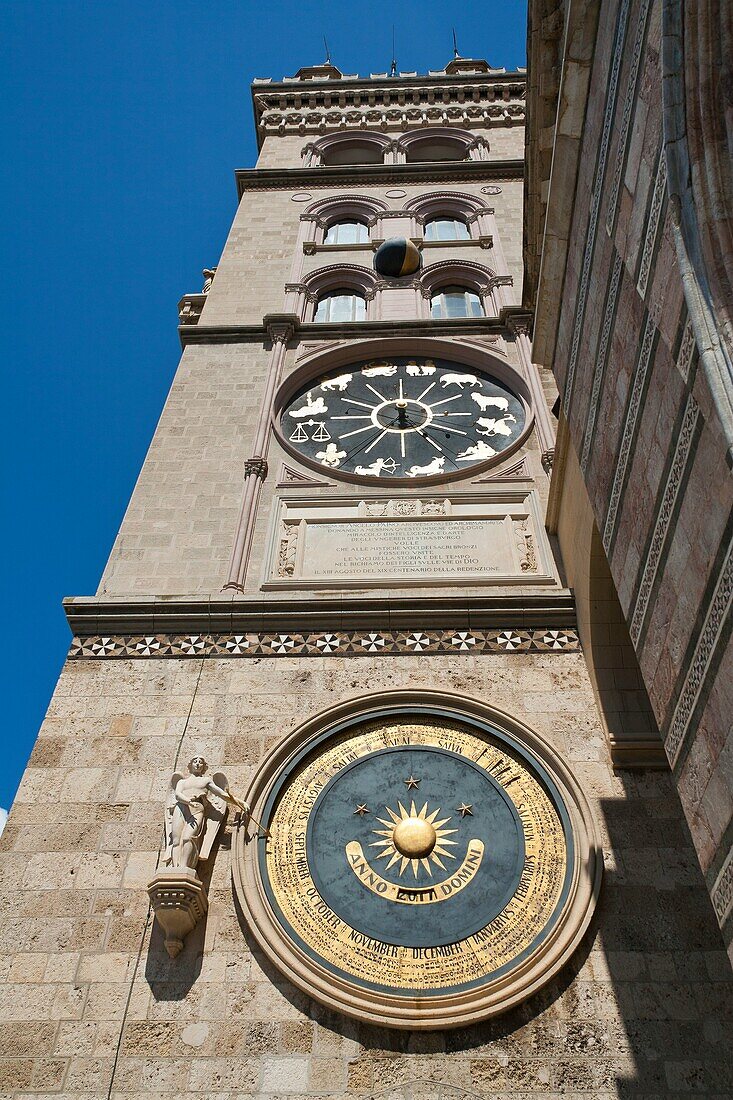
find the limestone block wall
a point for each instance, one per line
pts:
(92, 1007)
(176, 536)
(256, 260)
(645, 428)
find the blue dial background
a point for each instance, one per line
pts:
(446, 780)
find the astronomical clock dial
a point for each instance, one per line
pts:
(402, 418)
(415, 868)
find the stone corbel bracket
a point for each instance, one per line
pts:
(179, 900)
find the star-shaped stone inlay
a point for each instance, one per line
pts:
(328, 643)
(411, 783)
(362, 809)
(465, 810)
(557, 639)
(463, 640)
(373, 643)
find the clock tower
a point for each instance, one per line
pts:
(324, 797)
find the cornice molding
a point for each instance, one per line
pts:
(348, 175)
(355, 330)
(99, 615)
(476, 100)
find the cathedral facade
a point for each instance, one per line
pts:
(333, 797)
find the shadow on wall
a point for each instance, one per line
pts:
(186, 968)
(644, 1008)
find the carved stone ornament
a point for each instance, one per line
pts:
(256, 467)
(525, 548)
(179, 902)
(195, 809)
(288, 550)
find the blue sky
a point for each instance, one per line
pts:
(123, 125)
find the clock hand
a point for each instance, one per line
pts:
(365, 445)
(356, 431)
(445, 401)
(450, 426)
(451, 454)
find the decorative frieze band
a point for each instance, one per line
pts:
(686, 352)
(590, 237)
(628, 431)
(722, 894)
(629, 101)
(652, 225)
(601, 358)
(664, 516)
(717, 613)
(342, 643)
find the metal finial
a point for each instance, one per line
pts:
(393, 67)
(328, 52)
(455, 44)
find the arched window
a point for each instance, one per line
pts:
(456, 301)
(446, 229)
(433, 148)
(347, 232)
(353, 152)
(340, 305)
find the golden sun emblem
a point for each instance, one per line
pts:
(414, 837)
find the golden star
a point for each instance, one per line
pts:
(361, 809)
(464, 809)
(412, 783)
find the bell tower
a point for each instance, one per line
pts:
(331, 777)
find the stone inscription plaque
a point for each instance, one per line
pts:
(467, 539)
(407, 548)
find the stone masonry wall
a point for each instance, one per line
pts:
(645, 429)
(91, 1006)
(176, 536)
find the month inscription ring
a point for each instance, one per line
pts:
(430, 863)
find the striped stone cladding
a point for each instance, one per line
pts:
(642, 421)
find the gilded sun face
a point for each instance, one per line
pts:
(414, 837)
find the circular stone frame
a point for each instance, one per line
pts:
(320, 363)
(453, 1009)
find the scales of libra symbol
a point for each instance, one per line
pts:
(320, 435)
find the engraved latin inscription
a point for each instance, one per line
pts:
(431, 547)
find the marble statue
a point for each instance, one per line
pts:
(194, 811)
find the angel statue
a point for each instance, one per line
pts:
(194, 811)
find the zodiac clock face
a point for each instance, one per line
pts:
(417, 869)
(402, 418)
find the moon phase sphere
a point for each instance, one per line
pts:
(396, 258)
